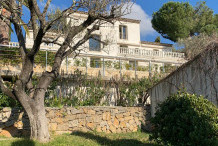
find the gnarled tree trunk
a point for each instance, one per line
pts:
(39, 125)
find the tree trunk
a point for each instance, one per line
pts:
(35, 110)
(38, 124)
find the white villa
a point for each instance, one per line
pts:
(125, 54)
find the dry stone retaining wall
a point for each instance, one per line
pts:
(67, 120)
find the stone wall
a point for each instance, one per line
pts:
(66, 120)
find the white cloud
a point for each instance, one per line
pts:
(138, 13)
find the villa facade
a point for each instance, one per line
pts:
(124, 54)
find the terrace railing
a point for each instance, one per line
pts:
(134, 52)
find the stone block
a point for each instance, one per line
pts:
(103, 124)
(6, 109)
(126, 114)
(131, 122)
(91, 126)
(104, 129)
(106, 116)
(59, 120)
(118, 116)
(116, 122)
(73, 123)
(75, 111)
(128, 118)
(89, 119)
(70, 117)
(97, 119)
(63, 127)
(123, 124)
(113, 129)
(53, 126)
(98, 129)
(18, 125)
(92, 112)
(81, 116)
(82, 123)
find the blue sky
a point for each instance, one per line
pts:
(142, 10)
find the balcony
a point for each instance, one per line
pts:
(143, 53)
(108, 66)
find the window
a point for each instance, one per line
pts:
(95, 62)
(123, 32)
(94, 43)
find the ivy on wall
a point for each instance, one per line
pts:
(12, 56)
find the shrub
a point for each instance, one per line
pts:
(185, 120)
(6, 101)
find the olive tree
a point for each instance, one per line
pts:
(32, 96)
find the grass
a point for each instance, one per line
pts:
(86, 139)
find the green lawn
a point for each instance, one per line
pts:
(85, 139)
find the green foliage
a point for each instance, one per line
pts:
(142, 68)
(185, 120)
(96, 91)
(174, 20)
(76, 62)
(177, 20)
(215, 20)
(127, 66)
(40, 58)
(157, 40)
(117, 65)
(6, 101)
(108, 64)
(133, 89)
(12, 56)
(85, 138)
(83, 62)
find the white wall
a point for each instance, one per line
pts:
(199, 76)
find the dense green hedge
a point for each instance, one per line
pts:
(186, 120)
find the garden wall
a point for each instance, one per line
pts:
(198, 76)
(14, 122)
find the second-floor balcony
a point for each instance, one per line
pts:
(133, 53)
(142, 53)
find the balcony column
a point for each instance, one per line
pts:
(103, 67)
(163, 68)
(150, 69)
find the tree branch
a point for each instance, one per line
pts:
(46, 8)
(5, 89)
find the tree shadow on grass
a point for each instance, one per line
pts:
(105, 141)
(23, 142)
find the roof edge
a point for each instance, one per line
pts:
(156, 43)
(118, 19)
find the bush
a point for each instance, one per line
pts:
(6, 101)
(185, 120)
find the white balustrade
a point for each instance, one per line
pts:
(14, 44)
(143, 52)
